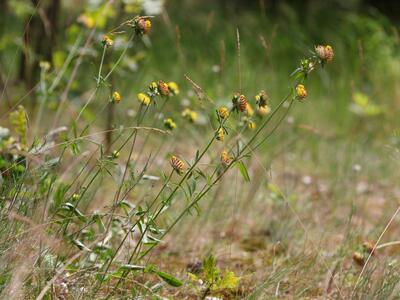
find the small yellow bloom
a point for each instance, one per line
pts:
(262, 98)
(301, 92)
(177, 164)
(143, 98)
(173, 87)
(107, 41)
(263, 110)
(225, 158)
(249, 110)
(153, 87)
(87, 21)
(169, 124)
(116, 97)
(251, 125)
(190, 115)
(220, 135)
(223, 112)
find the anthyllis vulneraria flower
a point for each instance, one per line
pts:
(163, 88)
(249, 110)
(177, 164)
(143, 98)
(262, 99)
(263, 110)
(301, 92)
(189, 115)
(325, 53)
(86, 21)
(223, 112)
(142, 25)
(116, 97)
(225, 158)
(239, 102)
(173, 87)
(153, 88)
(251, 125)
(107, 41)
(220, 134)
(358, 258)
(169, 124)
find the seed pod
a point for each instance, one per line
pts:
(177, 164)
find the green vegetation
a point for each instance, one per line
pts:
(197, 150)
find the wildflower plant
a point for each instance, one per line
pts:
(114, 241)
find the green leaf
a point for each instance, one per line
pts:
(132, 267)
(243, 170)
(168, 278)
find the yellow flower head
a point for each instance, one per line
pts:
(301, 92)
(220, 135)
(177, 164)
(223, 112)
(169, 124)
(86, 21)
(142, 25)
(225, 158)
(262, 98)
(116, 97)
(163, 88)
(190, 115)
(263, 110)
(251, 125)
(107, 41)
(249, 110)
(143, 98)
(173, 87)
